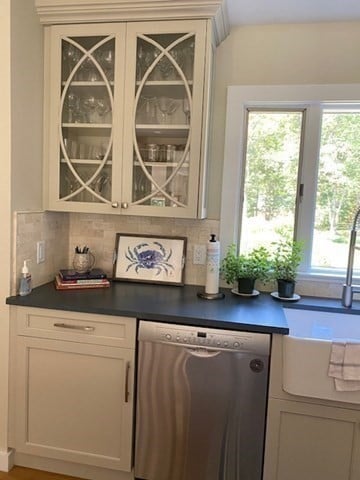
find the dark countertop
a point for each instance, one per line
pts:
(164, 303)
(181, 305)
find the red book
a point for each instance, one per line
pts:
(60, 285)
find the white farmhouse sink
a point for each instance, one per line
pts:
(307, 351)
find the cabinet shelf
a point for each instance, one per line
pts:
(97, 83)
(86, 125)
(162, 130)
(162, 164)
(164, 83)
(81, 161)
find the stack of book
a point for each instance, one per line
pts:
(71, 280)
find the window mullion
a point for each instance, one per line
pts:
(308, 177)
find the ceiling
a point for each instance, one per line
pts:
(251, 12)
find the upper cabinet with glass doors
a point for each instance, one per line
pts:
(127, 117)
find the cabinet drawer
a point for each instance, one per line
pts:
(75, 327)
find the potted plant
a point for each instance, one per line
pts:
(245, 268)
(286, 259)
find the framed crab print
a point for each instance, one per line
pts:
(146, 258)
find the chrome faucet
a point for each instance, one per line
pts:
(349, 289)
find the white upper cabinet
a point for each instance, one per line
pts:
(127, 109)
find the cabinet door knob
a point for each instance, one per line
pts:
(115, 204)
(124, 205)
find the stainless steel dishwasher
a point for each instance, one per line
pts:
(201, 403)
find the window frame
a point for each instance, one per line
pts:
(314, 99)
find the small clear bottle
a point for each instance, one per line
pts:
(25, 281)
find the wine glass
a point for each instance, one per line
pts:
(166, 68)
(88, 71)
(103, 108)
(167, 107)
(89, 105)
(186, 109)
(73, 105)
(178, 55)
(107, 61)
(71, 56)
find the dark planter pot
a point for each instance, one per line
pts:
(286, 288)
(246, 285)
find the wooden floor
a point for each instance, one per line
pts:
(22, 473)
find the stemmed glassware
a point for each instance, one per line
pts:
(186, 109)
(103, 108)
(95, 109)
(107, 62)
(71, 56)
(166, 68)
(89, 105)
(146, 54)
(167, 107)
(73, 106)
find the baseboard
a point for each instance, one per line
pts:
(68, 468)
(6, 460)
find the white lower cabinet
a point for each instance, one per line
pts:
(312, 442)
(73, 383)
(309, 439)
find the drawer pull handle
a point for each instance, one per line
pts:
(75, 327)
(127, 371)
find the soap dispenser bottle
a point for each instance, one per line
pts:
(25, 280)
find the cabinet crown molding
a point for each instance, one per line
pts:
(95, 11)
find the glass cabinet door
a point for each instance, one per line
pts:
(125, 117)
(87, 62)
(163, 169)
(87, 100)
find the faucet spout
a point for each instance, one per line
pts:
(349, 289)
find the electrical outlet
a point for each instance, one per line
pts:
(40, 251)
(199, 255)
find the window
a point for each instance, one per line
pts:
(272, 161)
(292, 165)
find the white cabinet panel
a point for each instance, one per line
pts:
(73, 401)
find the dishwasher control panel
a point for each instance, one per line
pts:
(210, 338)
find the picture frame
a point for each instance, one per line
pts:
(149, 259)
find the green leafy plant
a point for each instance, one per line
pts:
(254, 264)
(286, 258)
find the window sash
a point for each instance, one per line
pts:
(311, 98)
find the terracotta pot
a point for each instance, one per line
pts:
(286, 288)
(246, 285)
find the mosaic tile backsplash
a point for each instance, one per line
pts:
(62, 232)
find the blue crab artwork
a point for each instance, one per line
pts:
(150, 257)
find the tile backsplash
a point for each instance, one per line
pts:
(31, 227)
(99, 232)
(63, 231)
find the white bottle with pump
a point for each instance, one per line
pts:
(25, 280)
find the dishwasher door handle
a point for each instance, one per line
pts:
(203, 352)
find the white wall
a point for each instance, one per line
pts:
(276, 55)
(5, 217)
(26, 105)
(21, 146)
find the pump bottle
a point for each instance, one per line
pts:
(25, 280)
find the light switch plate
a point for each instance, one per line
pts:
(199, 255)
(40, 251)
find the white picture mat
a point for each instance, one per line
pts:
(151, 259)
